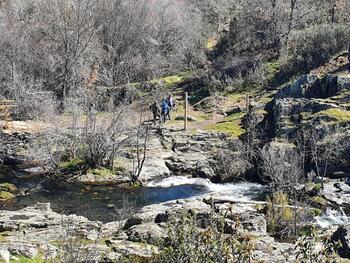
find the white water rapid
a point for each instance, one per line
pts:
(239, 190)
(331, 218)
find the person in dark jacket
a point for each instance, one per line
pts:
(155, 111)
(165, 110)
(171, 103)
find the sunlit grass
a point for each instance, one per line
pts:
(230, 125)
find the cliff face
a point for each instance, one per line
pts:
(310, 101)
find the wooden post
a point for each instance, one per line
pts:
(186, 106)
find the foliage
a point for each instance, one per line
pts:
(8, 187)
(60, 46)
(72, 164)
(101, 171)
(309, 252)
(4, 196)
(279, 215)
(315, 45)
(189, 243)
(338, 115)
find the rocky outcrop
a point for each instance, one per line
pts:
(342, 237)
(311, 86)
(305, 102)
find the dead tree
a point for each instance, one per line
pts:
(140, 156)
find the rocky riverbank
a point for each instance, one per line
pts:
(38, 232)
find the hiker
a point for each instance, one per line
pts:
(165, 110)
(171, 103)
(155, 111)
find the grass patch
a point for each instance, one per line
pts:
(101, 172)
(173, 80)
(22, 259)
(338, 115)
(8, 187)
(272, 68)
(319, 201)
(211, 44)
(71, 164)
(230, 125)
(236, 98)
(5, 196)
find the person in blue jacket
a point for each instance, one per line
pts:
(165, 110)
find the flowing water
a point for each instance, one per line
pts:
(332, 218)
(98, 202)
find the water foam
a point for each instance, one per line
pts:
(238, 189)
(332, 217)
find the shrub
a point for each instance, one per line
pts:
(279, 215)
(32, 101)
(309, 251)
(188, 243)
(315, 45)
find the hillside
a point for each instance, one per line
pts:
(95, 162)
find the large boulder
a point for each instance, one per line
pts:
(4, 254)
(150, 233)
(24, 249)
(342, 237)
(312, 86)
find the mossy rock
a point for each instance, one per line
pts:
(72, 164)
(319, 201)
(103, 172)
(5, 196)
(337, 115)
(11, 188)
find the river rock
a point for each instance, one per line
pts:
(4, 254)
(39, 223)
(342, 236)
(24, 249)
(127, 248)
(154, 166)
(189, 118)
(150, 233)
(161, 213)
(336, 191)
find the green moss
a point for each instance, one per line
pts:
(318, 200)
(173, 80)
(338, 115)
(272, 67)
(4, 196)
(8, 187)
(230, 124)
(71, 164)
(316, 212)
(37, 259)
(101, 172)
(194, 131)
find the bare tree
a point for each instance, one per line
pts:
(140, 156)
(327, 146)
(282, 168)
